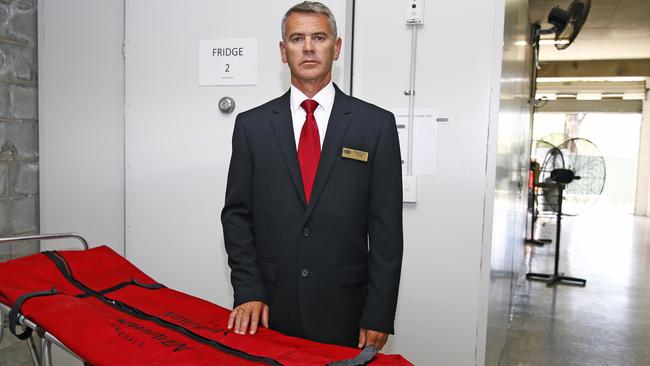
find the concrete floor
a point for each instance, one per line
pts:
(605, 323)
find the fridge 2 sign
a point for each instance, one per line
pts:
(228, 62)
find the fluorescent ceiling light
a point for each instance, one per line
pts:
(606, 78)
(634, 96)
(589, 96)
(566, 95)
(551, 42)
(521, 43)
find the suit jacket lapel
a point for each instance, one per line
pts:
(283, 128)
(336, 127)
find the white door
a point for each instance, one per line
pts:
(178, 143)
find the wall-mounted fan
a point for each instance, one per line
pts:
(566, 24)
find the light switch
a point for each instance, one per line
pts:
(409, 188)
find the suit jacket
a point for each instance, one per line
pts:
(332, 266)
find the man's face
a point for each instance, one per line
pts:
(309, 47)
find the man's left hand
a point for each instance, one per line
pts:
(369, 337)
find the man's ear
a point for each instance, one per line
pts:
(283, 52)
(337, 47)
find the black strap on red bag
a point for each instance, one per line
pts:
(119, 286)
(66, 271)
(15, 310)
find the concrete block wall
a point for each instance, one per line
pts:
(18, 142)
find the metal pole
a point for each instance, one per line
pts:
(559, 220)
(533, 217)
(411, 95)
(46, 237)
(2, 324)
(33, 352)
(47, 352)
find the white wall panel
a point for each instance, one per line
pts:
(510, 162)
(81, 119)
(442, 306)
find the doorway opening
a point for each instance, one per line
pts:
(617, 137)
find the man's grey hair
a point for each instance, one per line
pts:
(313, 7)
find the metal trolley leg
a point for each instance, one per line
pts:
(47, 353)
(33, 351)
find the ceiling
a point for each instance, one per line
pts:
(615, 30)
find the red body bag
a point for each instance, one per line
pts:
(110, 313)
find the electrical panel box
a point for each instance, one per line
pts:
(414, 11)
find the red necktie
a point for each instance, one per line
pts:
(309, 147)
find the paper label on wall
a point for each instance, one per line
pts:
(228, 62)
(425, 139)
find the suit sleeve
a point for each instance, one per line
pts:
(237, 222)
(385, 232)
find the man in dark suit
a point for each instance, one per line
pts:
(314, 236)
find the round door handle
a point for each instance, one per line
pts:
(226, 105)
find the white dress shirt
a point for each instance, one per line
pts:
(325, 99)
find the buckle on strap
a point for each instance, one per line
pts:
(15, 310)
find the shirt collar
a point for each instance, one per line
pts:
(325, 97)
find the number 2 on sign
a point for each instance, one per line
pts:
(227, 67)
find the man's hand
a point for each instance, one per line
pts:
(248, 313)
(369, 337)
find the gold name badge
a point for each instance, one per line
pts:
(354, 154)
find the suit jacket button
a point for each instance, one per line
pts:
(304, 273)
(306, 232)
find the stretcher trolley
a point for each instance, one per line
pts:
(97, 306)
